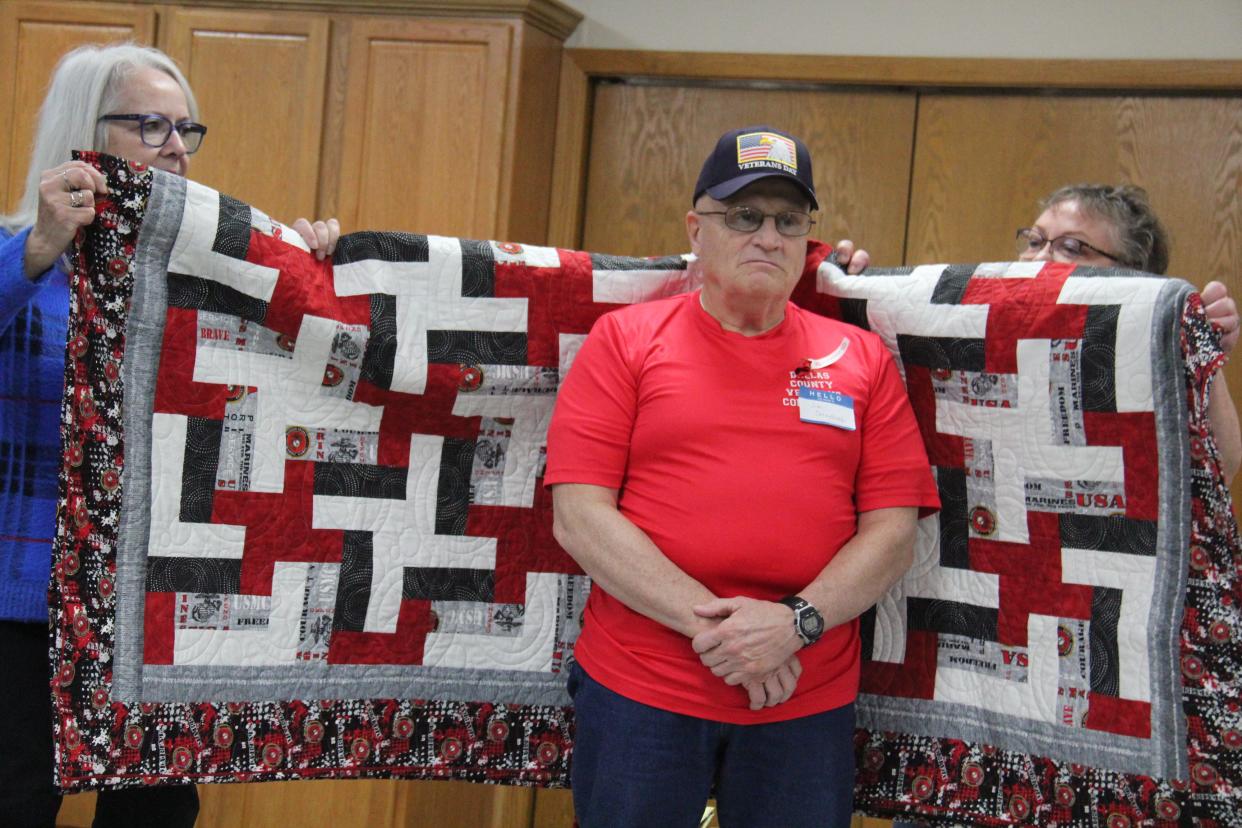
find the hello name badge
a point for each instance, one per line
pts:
(830, 408)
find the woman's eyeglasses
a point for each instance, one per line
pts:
(1065, 248)
(155, 130)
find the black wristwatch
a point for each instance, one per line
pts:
(808, 623)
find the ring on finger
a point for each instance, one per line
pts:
(68, 184)
(75, 198)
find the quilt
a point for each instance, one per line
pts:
(303, 532)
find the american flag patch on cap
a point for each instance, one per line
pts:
(767, 146)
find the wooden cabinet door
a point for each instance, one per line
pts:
(424, 114)
(33, 37)
(260, 82)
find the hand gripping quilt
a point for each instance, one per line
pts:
(303, 531)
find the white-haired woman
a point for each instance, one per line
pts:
(130, 101)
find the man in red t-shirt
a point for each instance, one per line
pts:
(741, 479)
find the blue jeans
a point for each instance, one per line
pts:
(636, 765)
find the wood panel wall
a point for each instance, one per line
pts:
(648, 142)
(921, 177)
(984, 160)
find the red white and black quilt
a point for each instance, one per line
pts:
(304, 532)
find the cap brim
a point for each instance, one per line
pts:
(727, 188)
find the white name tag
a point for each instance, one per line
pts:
(829, 359)
(826, 408)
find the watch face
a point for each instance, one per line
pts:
(812, 624)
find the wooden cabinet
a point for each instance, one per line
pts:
(435, 117)
(423, 125)
(33, 36)
(260, 79)
(447, 127)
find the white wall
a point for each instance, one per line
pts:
(1199, 29)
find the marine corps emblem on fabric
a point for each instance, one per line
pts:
(766, 149)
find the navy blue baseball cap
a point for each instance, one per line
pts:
(743, 156)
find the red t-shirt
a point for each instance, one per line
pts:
(699, 429)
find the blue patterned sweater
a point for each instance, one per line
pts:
(33, 317)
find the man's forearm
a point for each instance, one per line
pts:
(622, 560)
(866, 567)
